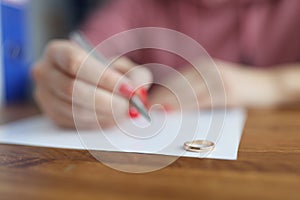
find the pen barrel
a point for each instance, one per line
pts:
(139, 105)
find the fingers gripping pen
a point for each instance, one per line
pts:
(124, 89)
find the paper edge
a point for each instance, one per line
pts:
(242, 112)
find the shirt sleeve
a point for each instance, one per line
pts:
(115, 17)
(120, 15)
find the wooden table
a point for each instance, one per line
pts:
(268, 167)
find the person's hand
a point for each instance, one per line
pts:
(244, 86)
(249, 86)
(55, 74)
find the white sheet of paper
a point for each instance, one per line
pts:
(225, 131)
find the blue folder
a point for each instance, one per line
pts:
(15, 51)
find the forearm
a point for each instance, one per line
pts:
(288, 82)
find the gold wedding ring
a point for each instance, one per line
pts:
(199, 146)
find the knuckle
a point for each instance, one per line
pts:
(74, 64)
(102, 107)
(69, 87)
(109, 78)
(124, 61)
(52, 46)
(104, 78)
(105, 111)
(37, 71)
(72, 58)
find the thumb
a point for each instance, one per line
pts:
(138, 75)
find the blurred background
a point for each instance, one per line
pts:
(56, 18)
(26, 26)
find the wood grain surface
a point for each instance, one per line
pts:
(268, 167)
